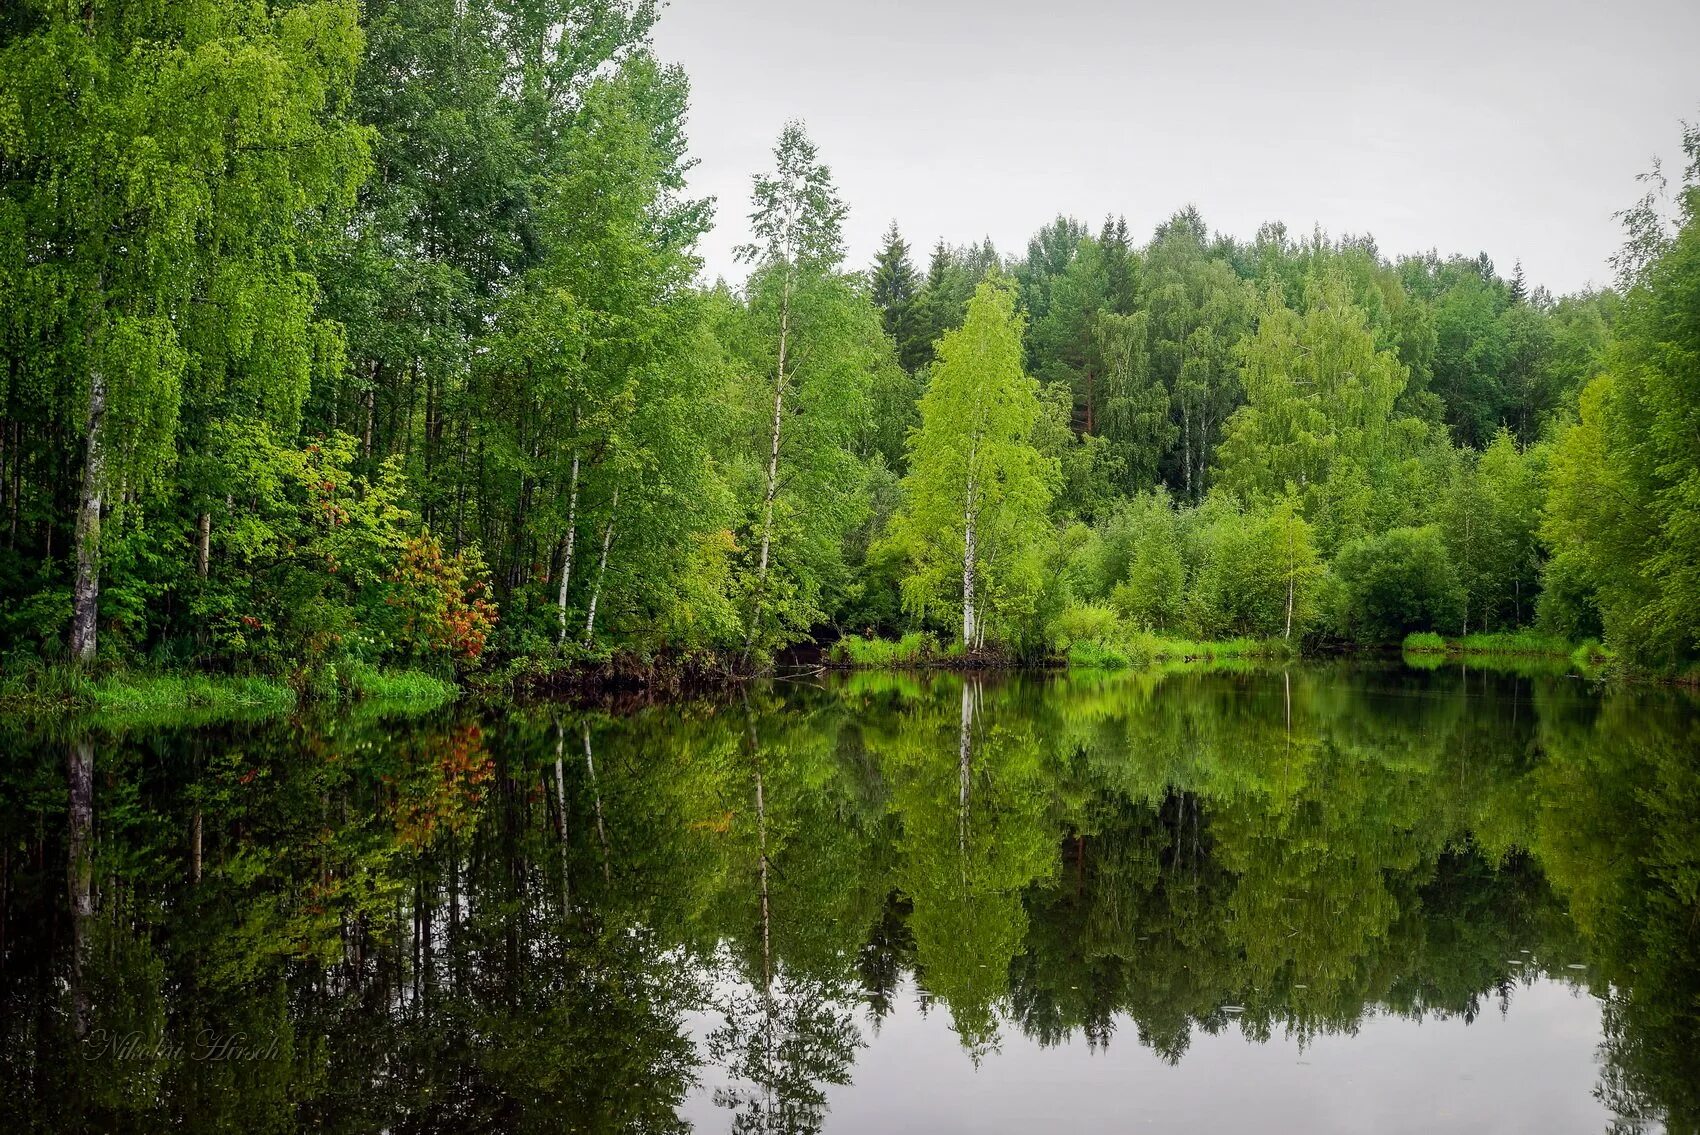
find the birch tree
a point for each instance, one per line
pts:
(813, 342)
(978, 490)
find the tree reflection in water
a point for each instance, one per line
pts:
(363, 923)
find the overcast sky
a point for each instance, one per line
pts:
(1511, 128)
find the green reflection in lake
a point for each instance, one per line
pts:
(548, 919)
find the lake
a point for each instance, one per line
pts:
(1332, 897)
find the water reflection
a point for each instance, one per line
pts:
(546, 919)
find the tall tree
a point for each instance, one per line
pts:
(977, 490)
(1320, 417)
(814, 338)
(896, 289)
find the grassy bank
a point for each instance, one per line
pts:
(1589, 655)
(1136, 650)
(914, 649)
(1142, 650)
(64, 691)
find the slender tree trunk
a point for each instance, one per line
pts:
(1288, 633)
(964, 767)
(596, 795)
(601, 570)
(79, 873)
(371, 414)
(567, 560)
(561, 807)
(85, 600)
(1468, 558)
(772, 468)
(203, 548)
(970, 553)
(1186, 446)
(766, 919)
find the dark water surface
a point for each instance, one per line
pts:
(1336, 898)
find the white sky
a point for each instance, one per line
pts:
(1514, 128)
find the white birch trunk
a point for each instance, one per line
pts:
(772, 467)
(970, 555)
(85, 599)
(567, 560)
(964, 766)
(601, 570)
(1288, 633)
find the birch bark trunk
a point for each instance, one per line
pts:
(772, 467)
(567, 560)
(601, 570)
(85, 600)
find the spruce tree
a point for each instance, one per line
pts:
(895, 288)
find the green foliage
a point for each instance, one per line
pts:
(360, 337)
(916, 648)
(1621, 515)
(1400, 581)
(977, 491)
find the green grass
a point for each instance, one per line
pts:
(148, 694)
(1515, 651)
(913, 649)
(409, 687)
(48, 690)
(1141, 650)
(1523, 644)
(1099, 656)
(133, 697)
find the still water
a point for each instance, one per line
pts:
(1328, 898)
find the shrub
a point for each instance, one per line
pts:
(443, 601)
(1084, 623)
(1400, 581)
(913, 648)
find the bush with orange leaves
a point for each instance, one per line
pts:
(443, 601)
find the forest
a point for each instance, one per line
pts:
(343, 335)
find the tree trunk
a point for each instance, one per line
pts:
(1186, 446)
(601, 570)
(772, 468)
(561, 809)
(203, 548)
(1467, 564)
(85, 601)
(371, 414)
(79, 873)
(567, 561)
(596, 795)
(766, 914)
(1288, 633)
(964, 767)
(969, 555)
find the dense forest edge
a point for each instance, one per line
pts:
(361, 352)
